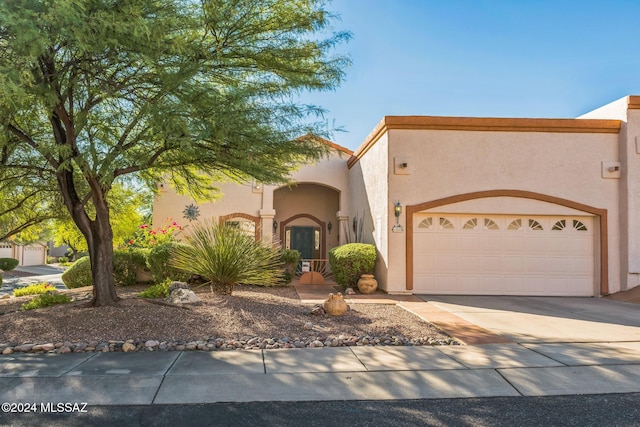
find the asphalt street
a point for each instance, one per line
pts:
(592, 410)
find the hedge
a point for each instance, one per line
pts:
(158, 263)
(8, 264)
(126, 263)
(348, 262)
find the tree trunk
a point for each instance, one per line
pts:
(98, 234)
(101, 253)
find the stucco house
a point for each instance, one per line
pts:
(460, 205)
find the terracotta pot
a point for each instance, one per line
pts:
(335, 305)
(367, 284)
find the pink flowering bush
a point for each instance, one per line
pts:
(147, 237)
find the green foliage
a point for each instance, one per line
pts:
(79, 274)
(35, 289)
(93, 93)
(63, 259)
(8, 264)
(160, 290)
(127, 205)
(290, 256)
(127, 263)
(158, 262)
(147, 237)
(226, 257)
(45, 300)
(290, 259)
(348, 262)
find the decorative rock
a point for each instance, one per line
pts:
(151, 343)
(24, 347)
(184, 296)
(318, 310)
(335, 305)
(5, 296)
(349, 291)
(178, 285)
(127, 347)
(7, 350)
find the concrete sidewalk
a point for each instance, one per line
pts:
(346, 373)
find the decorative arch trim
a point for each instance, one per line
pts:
(600, 213)
(323, 229)
(254, 219)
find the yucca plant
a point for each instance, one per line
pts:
(226, 257)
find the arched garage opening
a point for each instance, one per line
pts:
(506, 254)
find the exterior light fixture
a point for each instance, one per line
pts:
(329, 227)
(397, 210)
(275, 225)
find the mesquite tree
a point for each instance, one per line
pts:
(96, 91)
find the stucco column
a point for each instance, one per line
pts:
(266, 216)
(343, 227)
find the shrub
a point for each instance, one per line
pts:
(226, 257)
(290, 259)
(79, 274)
(63, 259)
(161, 290)
(45, 300)
(159, 265)
(126, 264)
(348, 262)
(35, 289)
(51, 259)
(8, 264)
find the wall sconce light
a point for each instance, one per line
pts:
(329, 227)
(275, 225)
(397, 210)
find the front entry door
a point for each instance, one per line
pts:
(306, 240)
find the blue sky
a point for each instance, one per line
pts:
(481, 58)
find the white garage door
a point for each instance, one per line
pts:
(503, 255)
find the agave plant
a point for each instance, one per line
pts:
(226, 257)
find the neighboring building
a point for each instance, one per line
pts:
(486, 206)
(33, 254)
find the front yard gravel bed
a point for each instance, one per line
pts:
(252, 318)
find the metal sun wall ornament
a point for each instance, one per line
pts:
(191, 212)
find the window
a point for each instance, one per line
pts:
(516, 224)
(535, 225)
(245, 226)
(426, 223)
(490, 224)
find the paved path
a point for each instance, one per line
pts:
(24, 276)
(347, 373)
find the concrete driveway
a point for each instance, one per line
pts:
(547, 319)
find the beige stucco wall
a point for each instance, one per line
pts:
(257, 199)
(369, 189)
(445, 163)
(629, 218)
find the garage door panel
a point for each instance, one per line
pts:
(468, 264)
(491, 264)
(506, 255)
(512, 264)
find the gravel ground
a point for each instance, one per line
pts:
(266, 313)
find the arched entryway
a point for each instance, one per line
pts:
(305, 218)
